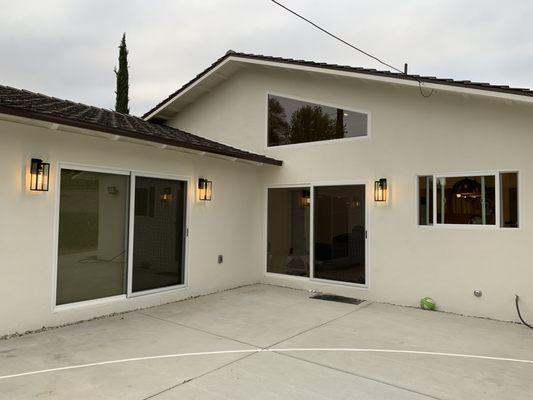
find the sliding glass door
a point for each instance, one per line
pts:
(159, 230)
(340, 233)
(337, 215)
(119, 234)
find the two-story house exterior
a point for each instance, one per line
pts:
(368, 184)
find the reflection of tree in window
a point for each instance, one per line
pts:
(278, 128)
(294, 121)
(310, 124)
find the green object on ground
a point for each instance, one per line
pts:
(427, 303)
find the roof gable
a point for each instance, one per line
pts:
(431, 82)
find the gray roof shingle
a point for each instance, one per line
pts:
(41, 107)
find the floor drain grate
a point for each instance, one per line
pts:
(339, 299)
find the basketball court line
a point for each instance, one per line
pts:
(281, 350)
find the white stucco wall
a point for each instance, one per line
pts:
(227, 225)
(409, 135)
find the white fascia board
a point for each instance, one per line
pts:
(327, 71)
(214, 71)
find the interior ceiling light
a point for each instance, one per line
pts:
(467, 188)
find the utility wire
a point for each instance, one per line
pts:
(350, 45)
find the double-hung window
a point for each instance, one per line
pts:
(474, 199)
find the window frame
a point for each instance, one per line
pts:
(497, 204)
(128, 229)
(312, 100)
(131, 228)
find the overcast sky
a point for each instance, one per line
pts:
(68, 48)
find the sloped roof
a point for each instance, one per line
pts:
(346, 68)
(41, 107)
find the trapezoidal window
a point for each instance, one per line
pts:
(293, 121)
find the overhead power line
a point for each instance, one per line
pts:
(350, 45)
(336, 37)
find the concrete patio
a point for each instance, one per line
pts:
(267, 317)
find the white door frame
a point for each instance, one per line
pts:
(78, 167)
(128, 228)
(312, 235)
(188, 204)
(311, 186)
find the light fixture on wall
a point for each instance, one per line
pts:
(39, 175)
(205, 189)
(306, 198)
(166, 196)
(380, 190)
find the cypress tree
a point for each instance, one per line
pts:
(121, 104)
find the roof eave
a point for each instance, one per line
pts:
(134, 135)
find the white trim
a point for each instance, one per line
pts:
(93, 168)
(286, 276)
(193, 85)
(55, 241)
(188, 204)
(311, 187)
(330, 71)
(312, 233)
(131, 225)
(317, 102)
(89, 303)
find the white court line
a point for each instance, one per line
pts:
(204, 353)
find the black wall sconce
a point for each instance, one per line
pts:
(39, 175)
(205, 189)
(380, 190)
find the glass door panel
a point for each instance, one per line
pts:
(288, 231)
(93, 211)
(159, 233)
(340, 233)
